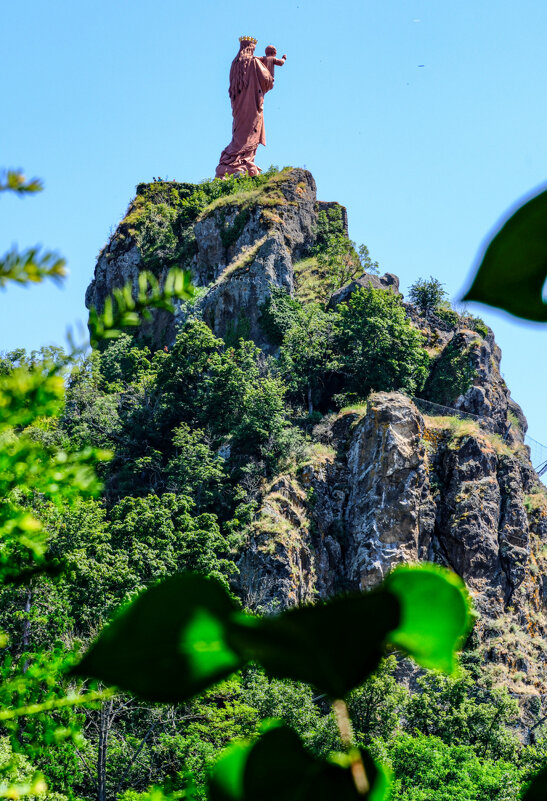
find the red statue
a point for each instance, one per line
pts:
(270, 60)
(250, 78)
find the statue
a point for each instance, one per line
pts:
(270, 61)
(250, 78)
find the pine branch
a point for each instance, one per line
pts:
(31, 266)
(15, 181)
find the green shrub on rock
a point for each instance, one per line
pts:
(427, 294)
(447, 314)
(452, 374)
(378, 347)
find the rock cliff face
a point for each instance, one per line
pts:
(388, 484)
(237, 248)
(391, 485)
(395, 479)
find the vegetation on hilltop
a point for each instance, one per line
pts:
(161, 218)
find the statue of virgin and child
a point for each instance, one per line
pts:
(250, 78)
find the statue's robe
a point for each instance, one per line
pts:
(248, 126)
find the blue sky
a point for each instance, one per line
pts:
(426, 119)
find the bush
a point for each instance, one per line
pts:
(448, 315)
(230, 393)
(195, 469)
(278, 314)
(451, 375)
(477, 324)
(427, 294)
(307, 355)
(122, 362)
(378, 348)
(425, 768)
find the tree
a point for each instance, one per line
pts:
(306, 355)
(36, 470)
(339, 261)
(365, 259)
(195, 470)
(159, 536)
(378, 705)
(377, 346)
(278, 314)
(232, 394)
(45, 475)
(425, 767)
(460, 711)
(427, 295)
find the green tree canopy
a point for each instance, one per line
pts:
(378, 347)
(427, 294)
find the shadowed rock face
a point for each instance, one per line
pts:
(117, 265)
(274, 238)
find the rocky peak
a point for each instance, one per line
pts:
(237, 246)
(444, 477)
(242, 237)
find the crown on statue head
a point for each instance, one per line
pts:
(248, 39)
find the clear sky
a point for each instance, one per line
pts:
(426, 118)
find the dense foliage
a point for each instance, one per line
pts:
(452, 373)
(379, 348)
(179, 493)
(367, 344)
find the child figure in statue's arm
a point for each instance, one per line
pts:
(270, 61)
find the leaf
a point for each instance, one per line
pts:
(169, 644)
(514, 266)
(226, 781)
(276, 766)
(537, 789)
(333, 645)
(26, 395)
(36, 786)
(435, 614)
(186, 633)
(190, 626)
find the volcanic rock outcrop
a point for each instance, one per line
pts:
(237, 247)
(395, 479)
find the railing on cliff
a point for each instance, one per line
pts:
(538, 455)
(436, 410)
(538, 452)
